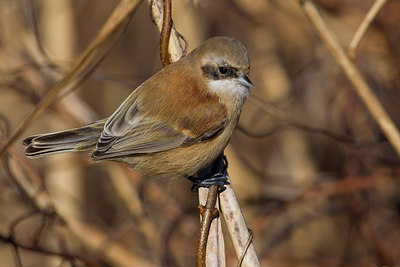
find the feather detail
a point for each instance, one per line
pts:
(79, 139)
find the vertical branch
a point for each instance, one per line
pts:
(237, 228)
(210, 246)
(165, 33)
(363, 90)
(175, 49)
(215, 250)
(208, 213)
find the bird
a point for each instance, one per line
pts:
(175, 123)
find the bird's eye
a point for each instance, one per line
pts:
(223, 70)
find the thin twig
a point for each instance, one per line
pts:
(17, 255)
(363, 90)
(376, 7)
(175, 49)
(165, 33)
(16, 245)
(208, 213)
(31, 14)
(20, 219)
(85, 64)
(211, 241)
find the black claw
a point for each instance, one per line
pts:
(214, 174)
(216, 179)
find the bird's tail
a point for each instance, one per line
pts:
(79, 139)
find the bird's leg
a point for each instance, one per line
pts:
(214, 174)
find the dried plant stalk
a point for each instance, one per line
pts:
(363, 90)
(376, 7)
(85, 64)
(237, 227)
(166, 32)
(214, 252)
(175, 47)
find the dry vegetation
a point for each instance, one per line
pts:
(317, 175)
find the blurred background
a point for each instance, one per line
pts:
(316, 179)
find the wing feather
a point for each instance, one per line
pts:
(148, 121)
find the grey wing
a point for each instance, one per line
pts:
(128, 131)
(123, 120)
(145, 137)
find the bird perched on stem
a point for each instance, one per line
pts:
(175, 123)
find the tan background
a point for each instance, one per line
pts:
(319, 186)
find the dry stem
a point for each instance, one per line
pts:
(208, 213)
(237, 227)
(85, 64)
(165, 33)
(365, 93)
(174, 48)
(376, 7)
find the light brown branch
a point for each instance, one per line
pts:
(363, 90)
(246, 247)
(376, 7)
(237, 227)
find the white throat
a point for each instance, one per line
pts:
(230, 88)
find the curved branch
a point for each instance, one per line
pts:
(165, 33)
(175, 48)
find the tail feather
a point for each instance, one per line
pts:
(32, 151)
(79, 139)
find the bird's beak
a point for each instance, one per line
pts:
(245, 81)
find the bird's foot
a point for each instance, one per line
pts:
(205, 179)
